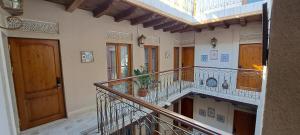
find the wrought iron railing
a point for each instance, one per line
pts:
(119, 113)
(208, 6)
(187, 6)
(242, 83)
(118, 100)
(193, 7)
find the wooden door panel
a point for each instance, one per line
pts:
(244, 123)
(188, 61)
(176, 63)
(36, 58)
(250, 57)
(187, 109)
(37, 80)
(39, 110)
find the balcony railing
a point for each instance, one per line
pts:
(187, 6)
(237, 84)
(118, 99)
(119, 113)
(193, 7)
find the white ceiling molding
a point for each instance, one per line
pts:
(36, 26)
(119, 37)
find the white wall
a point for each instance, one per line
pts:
(80, 31)
(223, 108)
(228, 42)
(8, 125)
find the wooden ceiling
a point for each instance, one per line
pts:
(121, 10)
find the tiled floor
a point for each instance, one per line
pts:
(76, 125)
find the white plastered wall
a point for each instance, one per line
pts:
(80, 31)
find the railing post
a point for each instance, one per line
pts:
(180, 80)
(156, 95)
(98, 124)
(167, 86)
(101, 118)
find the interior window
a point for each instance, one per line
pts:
(119, 66)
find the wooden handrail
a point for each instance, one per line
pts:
(180, 118)
(177, 69)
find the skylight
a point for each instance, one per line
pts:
(195, 12)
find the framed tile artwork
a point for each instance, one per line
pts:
(204, 58)
(224, 57)
(213, 55)
(211, 112)
(87, 56)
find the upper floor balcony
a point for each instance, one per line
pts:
(241, 85)
(195, 12)
(137, 100)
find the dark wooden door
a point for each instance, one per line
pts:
(188, 61)
(250, 57)
(244, 123)
(151, 58)
(187, 108)
(176, 63)
(175, 109)
(38, 81)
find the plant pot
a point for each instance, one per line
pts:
(142, 92)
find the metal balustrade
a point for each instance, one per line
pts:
(197, 7)
(119, 113)
(241, 84)
(119, 104)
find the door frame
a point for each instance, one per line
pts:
(15, 104)
(238, 60)
(118, 66)
(181, 61)
(175, 60)
(239, 53)
(157, 56)
(243, 111)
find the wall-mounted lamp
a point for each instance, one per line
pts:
(141, 40)
(14, 7)
(213, 42)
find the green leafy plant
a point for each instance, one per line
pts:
(144, 79)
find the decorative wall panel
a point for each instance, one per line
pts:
(251, 38)
(119, 37)
(36, 26)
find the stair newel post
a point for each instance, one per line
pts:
(97, 102)
(101, 117)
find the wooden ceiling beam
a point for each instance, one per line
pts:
(124, 14)
(243, 22)
(225, 25)
(188, 29)
(198, 29)
(101, 10)
(174, 27)
(210, 27)
(182, 29)
(74, 5)
(164, 25)
(153, 22)
(141, 19)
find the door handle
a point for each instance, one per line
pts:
(58, 81)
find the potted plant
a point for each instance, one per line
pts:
(142, 81)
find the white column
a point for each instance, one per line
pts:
(261, 105)
(7, 119)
